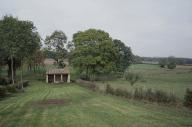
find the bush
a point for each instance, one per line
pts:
(87, 84)
(171, 66)
(109, 90)
(25, 84)
(5, 81)
(188, 98)
(158, 96)
(11, 88)
(171, 63)
(161, 96)
(149, 95)
(118, 92)
(163, 63)
(139, 94)
(122, 93)
(132, 77)
(172, 99)
(2, 91)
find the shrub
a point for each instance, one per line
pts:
(87, 84)
(132, 77)
(5, 81)
(109, 89)
(188, 98)
(138, 94)
(171, 63)
(161, 96)
(119, 92)
(172, 99)
(25, 83)
(122, 93)
(158, 96)
(11, 88)
(2, 91)
(163, 63)
(149, 95)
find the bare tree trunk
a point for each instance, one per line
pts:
(12, 73)
(29, 66)
(21, 74)
(10, 66)
(87, 72)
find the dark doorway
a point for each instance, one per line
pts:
(50, 78)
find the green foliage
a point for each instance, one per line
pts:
(94, 52)
(125, 56)
(150, 95)
(11, 88)
(25, 83)
(19, 40)
(56, 44)
(61, 64)
(161, 96)
(4, 81)
(109, 90)
(137, 59)
(3, 91)
(188, 98)
(132, 77)
(87, 84)
(158, 96)
(48, 53)
(171, 63)
(163, 62)
(138, 94)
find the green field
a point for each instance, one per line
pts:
(175, 81)
(85, 109)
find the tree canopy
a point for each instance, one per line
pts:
(125, 55)
(18, 38)
(96, 52)
(57, 42)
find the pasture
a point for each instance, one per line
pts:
(152, 76)
(84, 108)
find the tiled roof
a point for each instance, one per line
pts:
(58, 71)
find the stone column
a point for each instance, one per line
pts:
(61, 78)
(54, 79)
(68, 78)
(47, 81)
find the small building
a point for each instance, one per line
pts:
(49, 61)
(58, 75)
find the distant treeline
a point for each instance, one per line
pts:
(155, 60)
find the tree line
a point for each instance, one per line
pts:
(92, 51)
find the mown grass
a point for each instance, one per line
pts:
(172, 81)
(86, 109)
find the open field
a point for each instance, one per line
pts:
(176, 80)
(84, 109)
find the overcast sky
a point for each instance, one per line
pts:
(149, 27)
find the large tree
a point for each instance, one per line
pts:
(19, 39)
(57, 42)
(125, 55)
(94, 51)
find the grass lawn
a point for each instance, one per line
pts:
(85, 109)
(176, 80)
